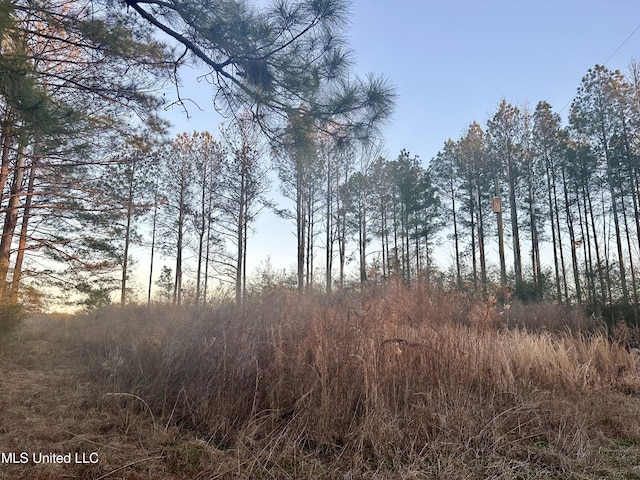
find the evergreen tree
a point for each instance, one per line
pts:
(244, 184)
(443, 171)
(600, 112)
(269, 58)
(505, 140)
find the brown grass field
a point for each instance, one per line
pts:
(391, 383)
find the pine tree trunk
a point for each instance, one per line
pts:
(456, 240)
(309, 242)
(7, 141)
(635, 194)
(177, 287)
(127, 236)
(22, 245)
(630, 252)
(584, 239)
(405, 245)
(301, 207)
(363, 240)
(605, 236)
(589, 235)
(329, 232)
(565, 282)
(201, 234)
(535, 242)
(499, 221)
(244, 260)
(385, 248)
(618, 235)
(554, 233)
(153, 244)
(396, 259)
(207, 249)
(240, 223)
(572, 239)
(472, 227)
(515, 228)
(11, 219)
(596, 245)
(481, 248)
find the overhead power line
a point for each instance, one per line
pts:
(621, 45)
(610, 57)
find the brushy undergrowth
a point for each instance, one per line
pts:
(388, 383)
(11, 315)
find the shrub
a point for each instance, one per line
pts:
(11, 314)
(539, 316)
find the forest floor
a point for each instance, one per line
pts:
(49, 405)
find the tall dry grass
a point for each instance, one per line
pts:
(391, 381)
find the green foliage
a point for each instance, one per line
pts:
(529, 291)
(274, 57)
(20, 90)
(11, 315)
(95, 294)
(74, 76)
(165, 283)
(621, 313)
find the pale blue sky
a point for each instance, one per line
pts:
(452, 62)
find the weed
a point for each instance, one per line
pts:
(391, 382)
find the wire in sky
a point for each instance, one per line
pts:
(621, 45)
(610, 57)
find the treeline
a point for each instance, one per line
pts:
(570, 196)
(207, 194)
(524, 205)
(87, 174)
(532, 208)
(566, 199)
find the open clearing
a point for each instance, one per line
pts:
(75, 386)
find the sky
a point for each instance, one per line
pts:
(452, 62)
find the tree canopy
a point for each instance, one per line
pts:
(277, 60)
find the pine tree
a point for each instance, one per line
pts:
(505, 133)
(270, 58)
(244, 184)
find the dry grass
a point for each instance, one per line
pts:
(390, 383)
